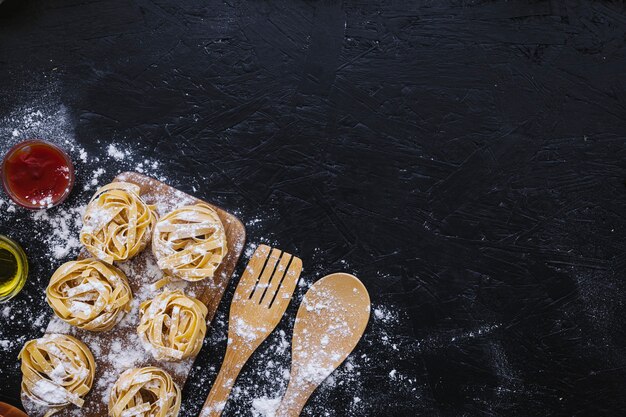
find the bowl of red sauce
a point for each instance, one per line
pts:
(37, 174)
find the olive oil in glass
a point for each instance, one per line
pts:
(13, 268)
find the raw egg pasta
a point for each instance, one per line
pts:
(89, 294)
(172, 325)
(143, 392)
(57, 370)
(190, 242)
(117, 224)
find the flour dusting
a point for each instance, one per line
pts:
(262, 386)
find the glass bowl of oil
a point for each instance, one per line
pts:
(13, 268)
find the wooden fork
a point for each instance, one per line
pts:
(260, 300)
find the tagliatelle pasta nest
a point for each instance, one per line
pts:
(143, 392)
(117, 224)
(190, 242)
(172, 325)
(57, 370)
(89, 294)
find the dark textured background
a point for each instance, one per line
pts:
(466, 159)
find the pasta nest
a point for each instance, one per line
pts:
(57, 370)
(117, 224)
(172, 325)
(190, 242)
(89, 294)
(143, 392)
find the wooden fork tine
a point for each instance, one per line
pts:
(284, 293)
(249, 309)
(268, 271)
(279, 273)
(251, 273)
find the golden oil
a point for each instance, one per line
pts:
(13, 268)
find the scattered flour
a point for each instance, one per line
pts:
(115, 153)
(57, 229)
(264, 406)
(95, 179)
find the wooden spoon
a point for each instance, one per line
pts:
(330, 322)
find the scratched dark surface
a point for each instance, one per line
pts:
(465, 159)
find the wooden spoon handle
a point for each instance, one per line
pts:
(294, 400)
(216, 401)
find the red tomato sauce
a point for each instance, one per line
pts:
(37, 174)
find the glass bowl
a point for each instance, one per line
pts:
(22, 201)
(11, 287)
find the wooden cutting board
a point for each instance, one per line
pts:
(119, 348)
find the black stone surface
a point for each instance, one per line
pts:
(465, 159)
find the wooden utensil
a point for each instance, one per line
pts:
(7, 410)
(330, 322)
(260, 300)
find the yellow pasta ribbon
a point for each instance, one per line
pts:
(117, 224)
(173, 325)
(89, 294)
(57, 370)
(190, 242)
(144, 392)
